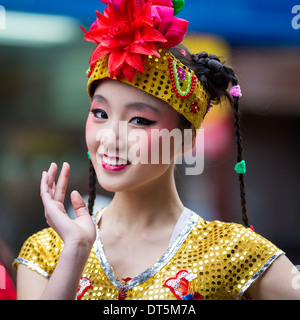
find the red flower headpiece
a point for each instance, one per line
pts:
(132, 28)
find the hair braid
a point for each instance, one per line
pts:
(240, 158)
(92, 188)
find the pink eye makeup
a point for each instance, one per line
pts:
(141, 121)
(99, 113)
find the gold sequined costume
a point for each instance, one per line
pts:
(225, 258)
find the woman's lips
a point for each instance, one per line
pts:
(113, 163)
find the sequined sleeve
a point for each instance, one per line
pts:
(40, 252)
(247, 255)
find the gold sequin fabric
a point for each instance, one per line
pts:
(226, 258)
(157, 81)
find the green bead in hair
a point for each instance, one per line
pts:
(240, 167)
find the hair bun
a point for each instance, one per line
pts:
(213, 74)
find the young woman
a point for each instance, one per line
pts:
(145, 244)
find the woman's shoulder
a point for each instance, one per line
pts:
(236, 253)
(217, 224)
(46, 238)
(235, 241)
(40, 252)
(226, 229)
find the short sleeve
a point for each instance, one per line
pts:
(247, 255)
(40, 252)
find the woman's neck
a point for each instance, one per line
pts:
(150, 205)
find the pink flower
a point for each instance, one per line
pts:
(172, 28)
(235, 91)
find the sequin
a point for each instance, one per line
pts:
(226, 259)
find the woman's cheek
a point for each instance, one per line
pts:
(90, 134)
(158, 146)
(163, 145)
(138, 146)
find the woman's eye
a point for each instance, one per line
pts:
(142, 121)
(99, 113)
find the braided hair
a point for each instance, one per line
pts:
(216, 78)
(92, 188)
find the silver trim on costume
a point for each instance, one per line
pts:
(151, 271)
(259, 273)
(33, 266)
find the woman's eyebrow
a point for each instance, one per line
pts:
(142, 106)
(99, 98)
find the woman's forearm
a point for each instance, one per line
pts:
(64, 281)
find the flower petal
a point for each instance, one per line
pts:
(166, 3)
(163, 17)
(135, 61)
(115, 61)
(176, 32)
(102, 21)
(145, 48)
(151, 34)
(98, 53)
(127, 72)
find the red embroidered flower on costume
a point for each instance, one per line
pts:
(131, 28)
(84, 285)
(180, 286)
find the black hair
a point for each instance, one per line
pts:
(216, 77)
(92, 188)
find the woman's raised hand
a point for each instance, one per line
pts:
(80, 231)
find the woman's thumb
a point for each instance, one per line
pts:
(78, 204)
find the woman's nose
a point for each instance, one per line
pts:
(114, 137)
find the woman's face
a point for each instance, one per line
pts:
(124, 134)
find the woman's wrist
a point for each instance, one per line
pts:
(76, 250)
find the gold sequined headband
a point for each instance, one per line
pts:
(167, 79)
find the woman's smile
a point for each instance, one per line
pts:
(113, 163)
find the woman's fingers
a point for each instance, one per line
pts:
(62, 183)
(51, 174)
(55, 192)
(44, 183)
(44, 189)
(81, 229)
(78, 204)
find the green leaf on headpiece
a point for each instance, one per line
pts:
(178, 6)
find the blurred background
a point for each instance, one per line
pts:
(44, 106)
